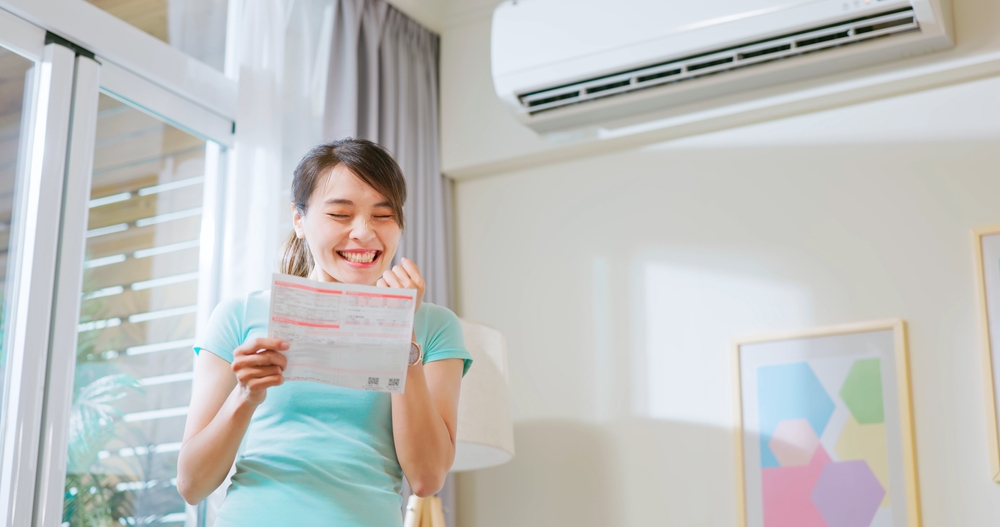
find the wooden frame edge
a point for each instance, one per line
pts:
(907, 429)
(741, 491)
(822, 331)
(908, 433)
(989, 383)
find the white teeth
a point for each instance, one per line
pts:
(367, 257)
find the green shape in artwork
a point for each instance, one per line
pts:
(862, 391)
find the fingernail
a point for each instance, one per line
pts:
(284, 345)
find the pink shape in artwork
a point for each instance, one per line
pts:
(787, 500)
(794, 442)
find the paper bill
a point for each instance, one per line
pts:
(346, 335)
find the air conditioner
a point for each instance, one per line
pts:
(564, 64)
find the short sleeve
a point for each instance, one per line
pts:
(440, 333)
(224, 332)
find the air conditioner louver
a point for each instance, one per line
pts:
(731, 58)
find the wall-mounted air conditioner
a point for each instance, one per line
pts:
(561, 64)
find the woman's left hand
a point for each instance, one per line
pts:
(404, 276)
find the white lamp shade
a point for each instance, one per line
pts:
(485, 433)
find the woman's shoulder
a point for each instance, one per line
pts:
(245, 307)
(440, 331)
(435, 315)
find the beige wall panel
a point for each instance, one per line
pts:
(620, 280)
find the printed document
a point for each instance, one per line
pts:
(347, 335)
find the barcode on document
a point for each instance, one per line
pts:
(372, 381)
(394, 383)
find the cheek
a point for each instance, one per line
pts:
(390, 239)
(322, 238)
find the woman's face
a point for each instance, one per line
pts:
(350, 229)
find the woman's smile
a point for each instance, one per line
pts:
(360, 258)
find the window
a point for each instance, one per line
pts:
(196, 27)
(134, 361)
(13, 72)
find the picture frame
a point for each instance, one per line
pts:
(986, 241)
(824, 428)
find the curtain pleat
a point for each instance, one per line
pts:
(382, 85)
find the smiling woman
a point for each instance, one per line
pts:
(317, 454)
(355, 192)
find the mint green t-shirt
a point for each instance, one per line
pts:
(318, 455)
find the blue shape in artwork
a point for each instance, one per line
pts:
(789, 391)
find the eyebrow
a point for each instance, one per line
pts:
(349, 202)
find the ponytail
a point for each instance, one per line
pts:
(296, 259)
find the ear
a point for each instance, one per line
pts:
(297, 222)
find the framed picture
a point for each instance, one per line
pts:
(825, 428)
(987, 243)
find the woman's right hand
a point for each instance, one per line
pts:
(258, 365)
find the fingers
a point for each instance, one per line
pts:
(391, 279)
(253, 346)
(260, 360)
(262, 383)
(412, 270)
(247, 374)
(381, 283)
(399, 275)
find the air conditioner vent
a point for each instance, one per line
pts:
(749, 54)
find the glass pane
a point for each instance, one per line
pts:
(137, 321)
(13, 73)
(196, 27)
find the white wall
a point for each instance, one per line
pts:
(619, 280)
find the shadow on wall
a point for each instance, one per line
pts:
(624, 472)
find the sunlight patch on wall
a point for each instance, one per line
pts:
(686, 319)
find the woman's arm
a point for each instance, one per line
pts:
(424, 423)
(425, 417)
(223, 399)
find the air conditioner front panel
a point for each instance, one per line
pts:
(551, 31)
(541, 45)
(530, 42)
(660, 101)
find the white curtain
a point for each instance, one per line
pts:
(383, 85)
(193, 27)
(282, 51)
(279, 53)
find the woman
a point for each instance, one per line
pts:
(317, 454)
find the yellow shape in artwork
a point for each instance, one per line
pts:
(866, 442)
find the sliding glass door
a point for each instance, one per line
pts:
(108, 186)
(132, 382)
(14, 70)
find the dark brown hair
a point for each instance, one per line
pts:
(368, 161)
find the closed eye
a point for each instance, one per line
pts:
(338, 216)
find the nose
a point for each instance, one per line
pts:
(361, 230)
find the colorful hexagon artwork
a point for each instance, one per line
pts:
(794, 442)
(862, 391)
(789, 391)
(867, 443)
(787, 493)
(847, 494)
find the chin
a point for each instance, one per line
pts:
(357, 276)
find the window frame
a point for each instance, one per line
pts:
(56, 163)
(123, 45)
(35, 232)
